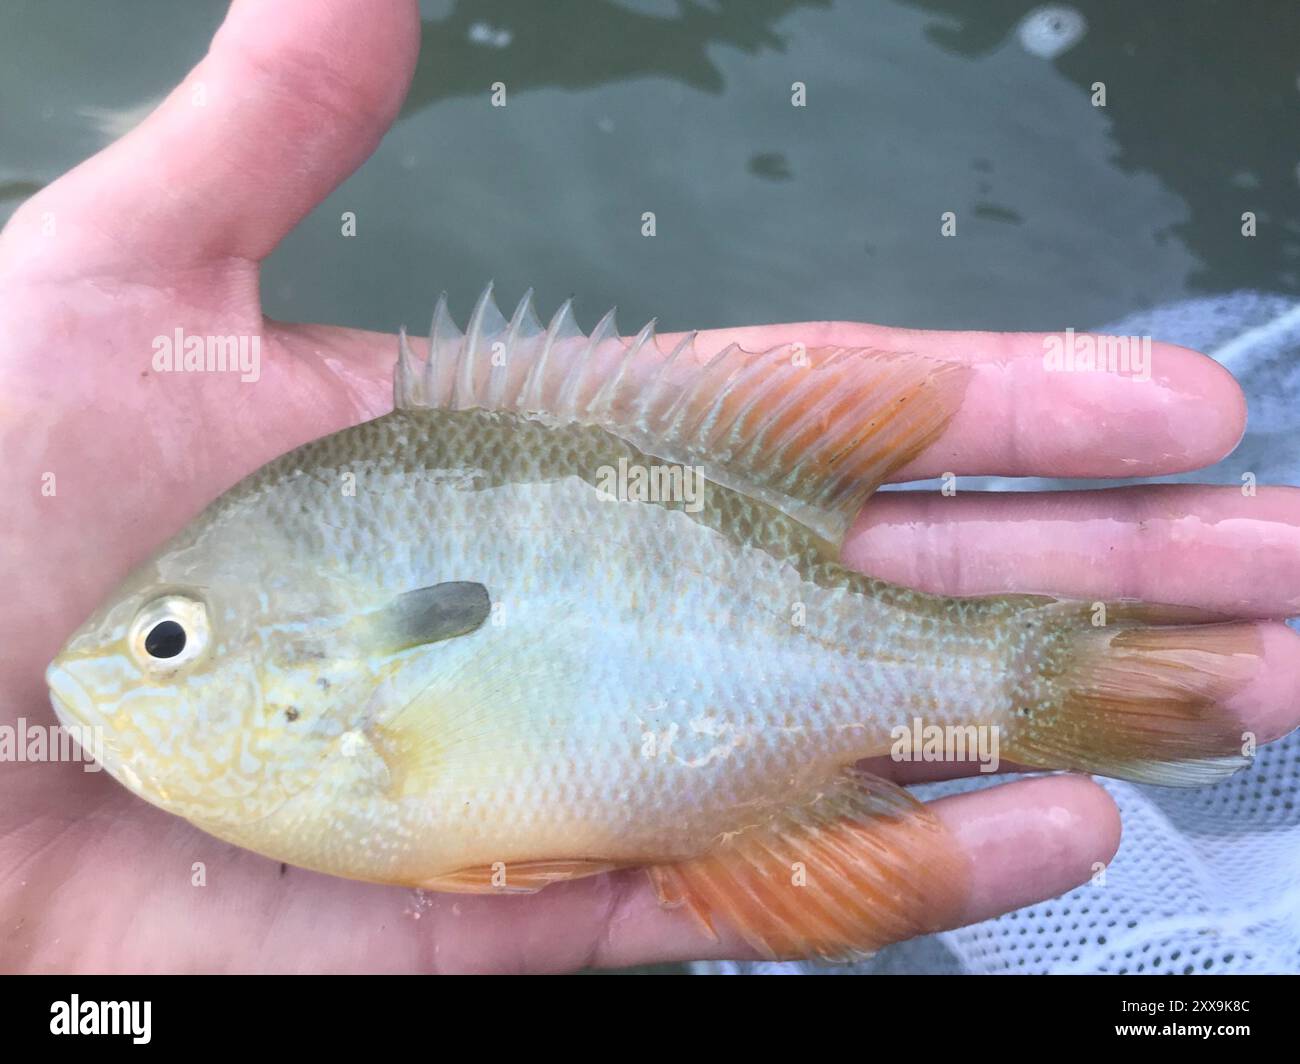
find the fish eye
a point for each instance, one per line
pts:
(168, 633)
(166, 639)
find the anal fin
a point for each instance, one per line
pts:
(838, 874)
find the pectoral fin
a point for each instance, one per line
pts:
(838, 874)
(428, 615)
(459, 713)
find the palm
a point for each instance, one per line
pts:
(137, 250)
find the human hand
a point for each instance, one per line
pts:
(167, 228)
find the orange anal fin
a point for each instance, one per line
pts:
(673, 892)
(526, 877)
(836, 875)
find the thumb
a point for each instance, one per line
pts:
(290, 99)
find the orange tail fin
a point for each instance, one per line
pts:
(1140, 703)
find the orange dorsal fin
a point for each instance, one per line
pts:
(838, 874)
(812, 431)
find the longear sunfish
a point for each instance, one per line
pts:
(453, 648)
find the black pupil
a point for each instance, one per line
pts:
(165, 640)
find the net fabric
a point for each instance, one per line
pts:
(1205, 880)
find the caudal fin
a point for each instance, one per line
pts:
(1140, 703)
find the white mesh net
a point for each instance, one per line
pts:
(1206, 880)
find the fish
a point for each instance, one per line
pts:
(576, 605)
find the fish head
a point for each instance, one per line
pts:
(216, 685)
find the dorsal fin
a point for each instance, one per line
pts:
(812, 431)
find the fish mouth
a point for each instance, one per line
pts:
(77, 713)
(72, 702)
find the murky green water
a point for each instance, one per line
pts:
(1067, 213)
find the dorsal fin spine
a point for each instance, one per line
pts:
(600, 404)
(674, 414)
(530, 396)
(566, 404)
(523, 318)
(444, 347)
(406, 392)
